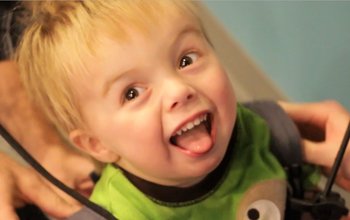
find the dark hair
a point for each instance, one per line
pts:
(11, 27)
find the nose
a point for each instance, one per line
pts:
(177, 94)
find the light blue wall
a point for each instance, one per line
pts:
(303, 46)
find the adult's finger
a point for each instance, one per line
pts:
(8, 202)
(7, 210)
(318, 113)
(8, 213)
(322, 121)
(38, 192)
(20, 185)
(319, 153)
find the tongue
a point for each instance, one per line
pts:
(196, 140)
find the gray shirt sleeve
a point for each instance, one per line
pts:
(85, 214)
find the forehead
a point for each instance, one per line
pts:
(149, 27)
(167, 28)
(143, 16)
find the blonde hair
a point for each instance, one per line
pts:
(59, 36)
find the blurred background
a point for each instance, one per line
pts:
(302, 46)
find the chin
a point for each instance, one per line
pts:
(203, 169)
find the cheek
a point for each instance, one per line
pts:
(127, 133)
(138, 140)
(221, 93)
(220, 89)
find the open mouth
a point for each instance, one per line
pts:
(195, 136)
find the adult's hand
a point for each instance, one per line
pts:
(322, 126)
(70, 167)
(38, 136)
(20, 185)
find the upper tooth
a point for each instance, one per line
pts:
(189, 125)
(204, 117)
(197, 121)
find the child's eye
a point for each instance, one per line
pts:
(133, 93)
(188, 59)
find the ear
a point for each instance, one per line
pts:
(90, 144)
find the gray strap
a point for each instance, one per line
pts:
(285, 137)
(85, 214)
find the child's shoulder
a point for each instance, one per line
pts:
(101, 192)
(285, 139)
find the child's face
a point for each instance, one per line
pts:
(145, 90)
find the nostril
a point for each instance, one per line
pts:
(180, 100)
(174, 105)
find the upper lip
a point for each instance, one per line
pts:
(189, 119)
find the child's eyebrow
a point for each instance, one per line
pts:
(187, 30)
(109, 83)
